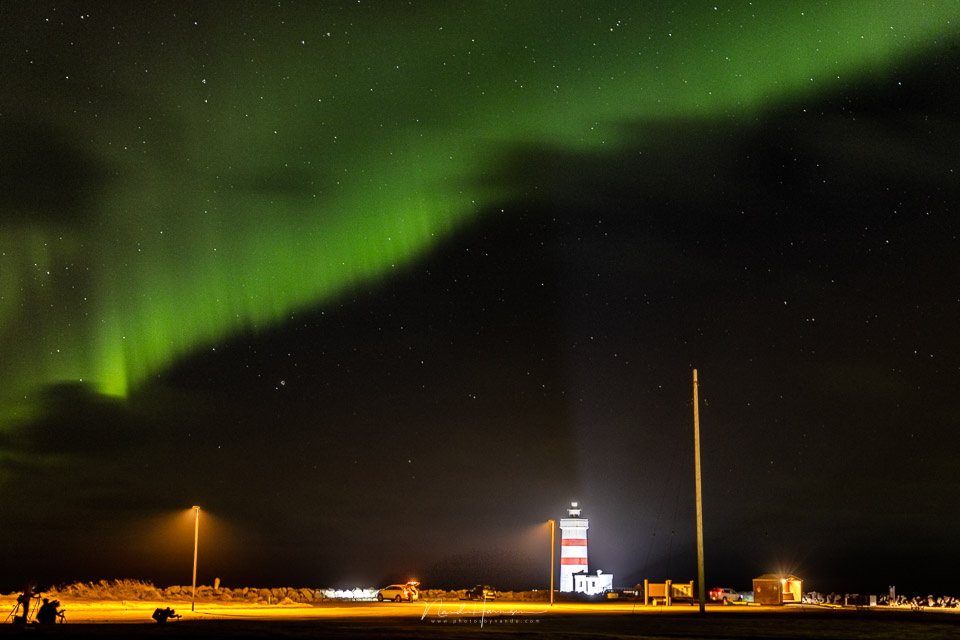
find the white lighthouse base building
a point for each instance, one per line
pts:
(593, 585)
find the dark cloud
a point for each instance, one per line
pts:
(45, 178)
(75, 421)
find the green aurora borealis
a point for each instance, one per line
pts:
(176, 178)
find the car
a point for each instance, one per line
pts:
(480, 592)
(723, 594)
(400, 592)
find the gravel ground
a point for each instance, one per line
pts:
(127, 620)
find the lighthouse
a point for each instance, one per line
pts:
(573, 547)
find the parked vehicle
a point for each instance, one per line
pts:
(723, 594)
(400, 592)
(480, 592)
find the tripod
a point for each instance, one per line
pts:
(16, 608)
(26, 605)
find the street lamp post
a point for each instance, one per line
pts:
(196, 541)
(553, 530)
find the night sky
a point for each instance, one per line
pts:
(383, 286)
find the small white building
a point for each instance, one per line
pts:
(593, 584)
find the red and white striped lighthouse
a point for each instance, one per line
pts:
(573, 546)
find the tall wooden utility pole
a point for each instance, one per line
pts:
(696, 439)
